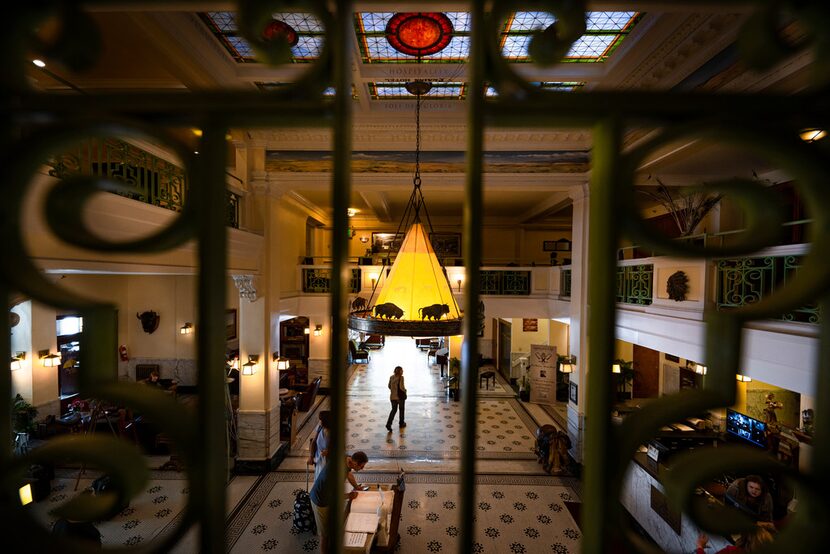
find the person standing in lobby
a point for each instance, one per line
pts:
(397, 396)
(319, 444)
(319, 504)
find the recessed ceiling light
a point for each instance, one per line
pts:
(196, 152)
(39, 63)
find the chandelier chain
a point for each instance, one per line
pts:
(417, 179)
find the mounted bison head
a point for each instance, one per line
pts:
(149, 321)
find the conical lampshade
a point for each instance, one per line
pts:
(417, 282)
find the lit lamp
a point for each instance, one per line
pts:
(25, 493)
(249, 367)
(307, 330)
(48, 359)
(374, 278)
(812, 135)
(700, 369)
(235, 363)
(280, 362)
(364, 239)
(568, 364)
(186, 329)
(742, 378)
(459, 285)
(318, 330)
(15, 361)
(615, 368)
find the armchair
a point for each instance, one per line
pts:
(358, 355)
(305, 399)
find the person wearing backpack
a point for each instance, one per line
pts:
(397, 396)
(319, 444)
(319, 503)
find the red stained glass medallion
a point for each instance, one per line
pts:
(277, 29)
(419, 33)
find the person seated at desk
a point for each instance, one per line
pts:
(319, 503)
(154, 379)
(750, 494)
(749, 541)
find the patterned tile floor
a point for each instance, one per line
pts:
(514, 514)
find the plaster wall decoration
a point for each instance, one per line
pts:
(698, 37)
(245, 285)
(677, 286)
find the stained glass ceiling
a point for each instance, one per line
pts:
(605, 32)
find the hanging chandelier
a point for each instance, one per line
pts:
(416, 299)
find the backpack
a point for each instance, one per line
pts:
(303, 513)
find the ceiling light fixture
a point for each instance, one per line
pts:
(742, 378)
(417, 299)
(812, 135)
(38, 62)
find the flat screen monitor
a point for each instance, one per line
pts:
(746, 428)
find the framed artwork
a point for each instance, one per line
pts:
(386, 242)
(573, 392)
(446, 245)
(230, 324)
(530, 325)
(548, 246)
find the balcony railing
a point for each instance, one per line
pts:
(509, 283)
(133, 173)
(744, 281)
(635, 284)
(565, 283)
(318, 280)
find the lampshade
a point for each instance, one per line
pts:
(25, 493)
(318, 330)
(15, 364)
(281, 363)
(307, 330)
(49, 359)
(567, 365)
(249, 367)
(616, 368)
(700, 369)
(186, 329)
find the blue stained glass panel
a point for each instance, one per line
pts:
(515, 46)
(241, 46)
(609, 21)
(375, 22)
(394, 89)
(308, 47)
(530, 21)
(460, 21)
(301, 22)
(591, 46)
(224, 21)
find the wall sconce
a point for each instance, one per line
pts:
(568, 364)
(742, 378)
(25, 493)
(186, 329)
(700, 369)
(281, 363)
(235, 363)
(318, 330)
(812, 135)
(351, 212)
(48, 359)
(364, 239)
(307, 330)
(374, 278)
(459, 285)
(249, 367)
(615, 368)
(16, 359)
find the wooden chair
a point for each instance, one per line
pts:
(305, 400)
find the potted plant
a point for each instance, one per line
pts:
(24, 415)
(455, 372)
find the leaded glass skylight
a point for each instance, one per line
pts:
(397, 90)
(308, 27)
(605, 31)
(269, 86)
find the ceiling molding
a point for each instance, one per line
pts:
(551, 205)
(308, 207)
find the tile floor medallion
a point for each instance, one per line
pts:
(514, 514)
(148, 515)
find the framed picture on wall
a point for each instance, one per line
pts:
(548, 246)
(530, 325)
(446, 245)
(230, 324)
(386, 242)
(573, 392)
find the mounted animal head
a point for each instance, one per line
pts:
(149, 321)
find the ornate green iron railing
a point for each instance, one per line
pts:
(55, 121)
(318, 280)
(132, 172)
(745, 281)
(508, 283)
(565, 283)
(635, 284)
